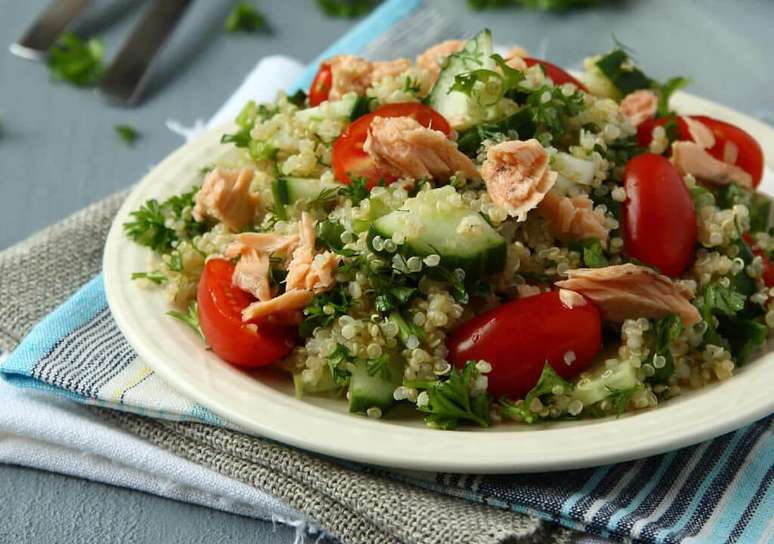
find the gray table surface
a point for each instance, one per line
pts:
(58, 153)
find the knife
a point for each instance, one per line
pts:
(126, 77)
(47, 28)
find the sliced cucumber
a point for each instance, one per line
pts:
(287, 191)
(602, 380)
(374, 389)
(574, 169)
(325, 385)
(328, 110)
(438, 222)
(454, 105)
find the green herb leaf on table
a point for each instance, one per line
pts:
(347, 9)
(127, 133)
(245, 18)
(190, 318)
(453, 400)
(540, 5)
(76, 61)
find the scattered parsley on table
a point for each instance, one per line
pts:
(76, 61)
(245, 18)
(127, 133)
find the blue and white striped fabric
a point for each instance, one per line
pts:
(718, 491)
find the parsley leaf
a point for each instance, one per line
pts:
(336, 360)
(665, 93)
(744, 337)
(405, 329)
(336, 300)
(667, 330)
(76, 61)
(347, 9)
(618, 68)
(245, 18)
(451, 401)
(357, 191)
(549, 383)
(154, 276)
(379, 367)
(127, 133)
(718, 301)
(517, 125)
(592, 252)
(190, 318)
(621, 397)
(149, 224)
(298, 98)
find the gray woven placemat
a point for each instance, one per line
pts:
(352, 504)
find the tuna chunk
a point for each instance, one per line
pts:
(692, 158)
(225, 196)
(349, 74)
(404, 147)
(639, 106)
(307, 271)
(573, 218)
(432, 58)
(289, 301)
(628, 291)
(252, 274)
(517, 176)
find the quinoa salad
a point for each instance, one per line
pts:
(476, 238)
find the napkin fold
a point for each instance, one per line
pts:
(720, 490)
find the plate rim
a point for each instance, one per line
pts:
(359, 433)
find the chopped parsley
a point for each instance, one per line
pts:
(76, 61)
(347, 9)
(667, 330)
(592, 252)
(324, 308)
(620, 397)
(665, 93)
(336, 362)
(452, 401)
(190, 318)
(356, 191)
(148, 226)
(127, 133)
(549, 383)
(379, 367)
(153, 276)
(245, 18)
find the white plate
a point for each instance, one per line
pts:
(264, 404)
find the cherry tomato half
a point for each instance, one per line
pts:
(556, 74)
(658, 216)
(321, 85)
(519, 337)
(768, 266)
(349, 159)
(749, 155)
(220, 317)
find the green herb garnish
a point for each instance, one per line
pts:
(76, 61)
(347, 9)
(245, 18)
(190, 318)
(549, 383)
(154, 276)
(127, 133)
(621, 397)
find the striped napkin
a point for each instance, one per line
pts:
(717, 491)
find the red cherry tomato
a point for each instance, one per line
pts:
(519, 337)
(321, 85)
(556, 74)
(349, 159)
(749, 155)
(220, 317)
(645, 129)
(658, 216)
(768, 266)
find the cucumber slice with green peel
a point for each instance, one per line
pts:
(455, 106)
(329, 110)
(574, 169)
(289, 190)
(326, 385)
(371, 387)
(598, 386)
(438, 222)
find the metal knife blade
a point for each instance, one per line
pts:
(126, 77)
(46, 29)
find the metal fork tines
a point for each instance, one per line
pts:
(47, 28)
(124, 80)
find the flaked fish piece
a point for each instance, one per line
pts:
(263, 242)
(700, 133)
(289, 301)
(692, 158)
(628, 291)
(639, 106)
(573, 217)
(404, 147)
(349, 74)
(432, 58)
(517, 176)
(388, 68)
(225, 196)
(251, 274)
(307, 270)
